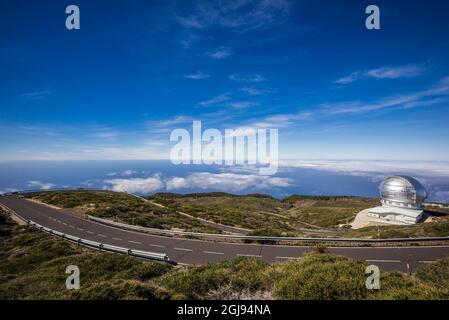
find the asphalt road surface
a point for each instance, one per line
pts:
(198, 251)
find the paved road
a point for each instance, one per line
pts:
(198, 251)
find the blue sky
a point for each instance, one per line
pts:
(138, 69)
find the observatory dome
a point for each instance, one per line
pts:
(402, 191)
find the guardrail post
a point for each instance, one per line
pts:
(100, 246)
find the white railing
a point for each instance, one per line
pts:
(102, 246)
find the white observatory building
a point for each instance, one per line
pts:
(402, 199)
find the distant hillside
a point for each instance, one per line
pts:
(121, 207)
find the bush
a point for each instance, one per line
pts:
(237, 274)
(436, 274)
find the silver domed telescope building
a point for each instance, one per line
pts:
(402, 199)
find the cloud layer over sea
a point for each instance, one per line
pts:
(309, 177)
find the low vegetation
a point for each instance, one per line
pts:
(264, 212)
(327, 211)
(261, 214)
(32, 266)
(249, 211)
(120, 207)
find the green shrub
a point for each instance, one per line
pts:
(436, 274)
(237, 274)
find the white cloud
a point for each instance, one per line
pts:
(135, 185)
(415, 99)
(220, 53)
(36, 95)
(177, 183)
(243, 15)
(40, 185)
(396, 72)
(104, 133)
(279, 120)
(242, 104)
(387, 72)
(225, 181)
(8, 190)
(424, 168)
(252, 91)
(217, 99)
(350, 78)
(231, 182)
(199, 75)
(246, 78)
(129, 173)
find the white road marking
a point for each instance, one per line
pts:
(183, 249)
(64, 223)
(394, 261)
(117, 239)
(425, 261)
(136, 242)
(71, 226)
(213, 252)
(89, 232)
(102, 235)
(292, 258)
(80, 229)
(156, 245)
(248, 255)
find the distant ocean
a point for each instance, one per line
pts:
(356, 178)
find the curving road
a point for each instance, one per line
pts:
(199, 251)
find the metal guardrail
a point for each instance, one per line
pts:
(259, 238)
(103, 246)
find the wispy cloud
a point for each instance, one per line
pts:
(40, 185)
(246, 78)
(387, 72)
(128, 173)
(242, 104)
(396, 72)
(349, 78)
(279, 120)
(162, 126)
(103, 133)
(252, 91)
(220, 53)
(243, 15)
(215, 100)
(425, 168)
(36, 95)
(199, 75)
(426, 97)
